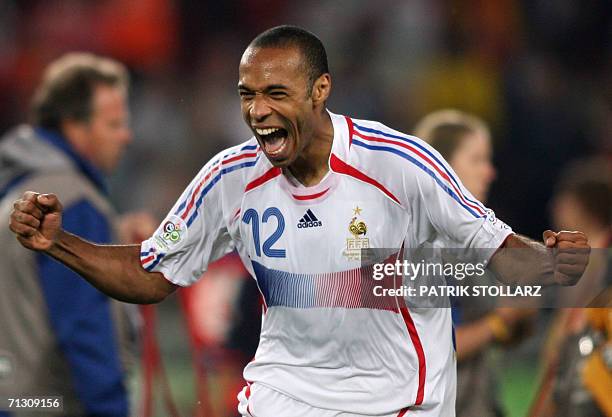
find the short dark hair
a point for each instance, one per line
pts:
(589, 181)
(67, 88)
(311, 47)
(595, 196)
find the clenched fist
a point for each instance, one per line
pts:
(571, 251)
(36, 220)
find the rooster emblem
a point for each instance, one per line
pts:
(357, 227)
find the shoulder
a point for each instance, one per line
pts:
(396, 160)
(373, 143)
(229, 160)
(230, 171)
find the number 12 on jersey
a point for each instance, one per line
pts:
(252, 217)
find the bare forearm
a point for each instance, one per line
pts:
(114, 270)
(523, 261)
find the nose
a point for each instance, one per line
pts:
(259, 108)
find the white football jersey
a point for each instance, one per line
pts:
(321, 342)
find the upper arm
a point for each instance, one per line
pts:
(193, 233)
(434, 190)
(160, 285)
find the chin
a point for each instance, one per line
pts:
(282, 161)
(279, 163)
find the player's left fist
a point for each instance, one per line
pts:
(571, 251)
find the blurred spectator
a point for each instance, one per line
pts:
(577, 378)
(61, 336)
(464, 141)
(583, 198)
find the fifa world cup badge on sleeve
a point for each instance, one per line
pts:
(494, 221)
(172, 233)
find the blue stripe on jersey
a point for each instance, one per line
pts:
(244, 148)
(198, 203)
(445, 187)
(154, 264)
(212, 182)
(353, 288)
(285, 289)
(424, 149)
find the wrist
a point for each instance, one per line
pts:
(54, 248)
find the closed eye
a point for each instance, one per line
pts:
(278, 94)
(246, 94)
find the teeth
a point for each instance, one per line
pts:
(266, 131)
(279, 150)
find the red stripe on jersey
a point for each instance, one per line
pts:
(238, 157)
(247, 394)
(271, 173)
(429, 162)
(416, 341)
(351, 129)
(209, 174)
(147, 259)
(197, 190)
(311, 196)
(342, 167)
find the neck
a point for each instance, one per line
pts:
(312, 164)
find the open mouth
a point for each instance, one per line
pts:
(274, 139)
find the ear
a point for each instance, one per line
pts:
(321, 89)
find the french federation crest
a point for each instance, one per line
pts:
(173, 232)
(358, 229)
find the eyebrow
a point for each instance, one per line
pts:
(268, 88)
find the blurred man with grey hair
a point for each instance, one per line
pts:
(61, 336)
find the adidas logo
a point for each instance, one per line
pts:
(309, 220)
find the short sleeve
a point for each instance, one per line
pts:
(193, 234)
(434, 190)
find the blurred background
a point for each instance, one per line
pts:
(538, 71)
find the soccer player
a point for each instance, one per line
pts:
(299, 200)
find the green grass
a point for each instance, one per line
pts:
(518, 386)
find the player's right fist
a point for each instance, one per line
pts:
(571, 252)
(36, 220)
